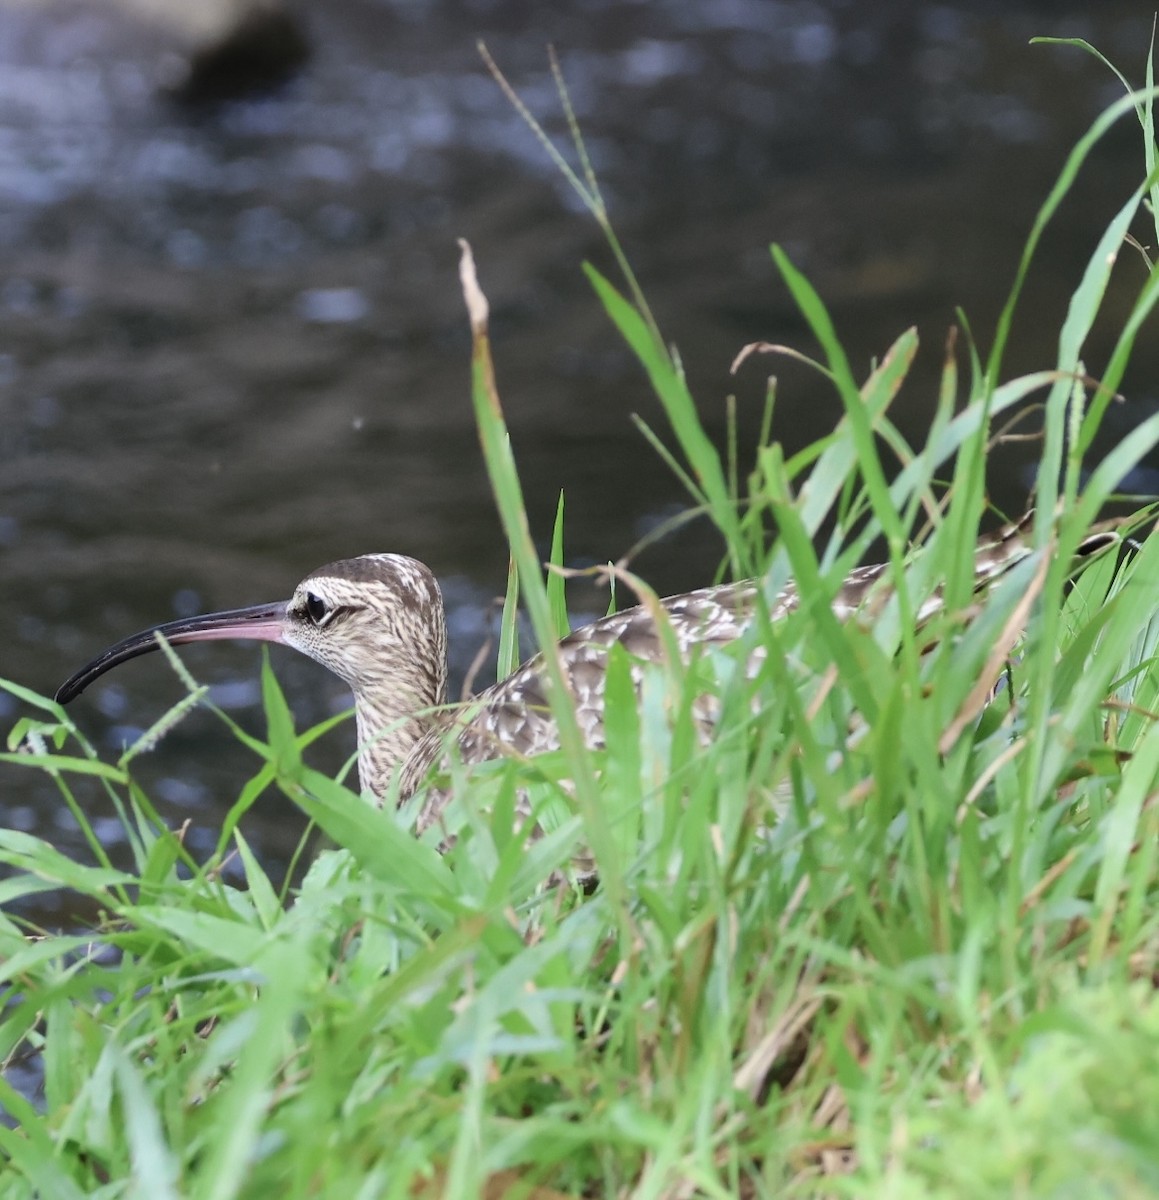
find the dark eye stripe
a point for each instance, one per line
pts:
(319, 612)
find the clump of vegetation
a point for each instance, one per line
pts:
(887, 935)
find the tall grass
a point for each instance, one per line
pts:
(882, 936)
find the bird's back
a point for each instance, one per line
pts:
(514, 715)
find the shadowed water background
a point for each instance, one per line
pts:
(233, 348)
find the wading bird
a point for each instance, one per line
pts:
(378, 623)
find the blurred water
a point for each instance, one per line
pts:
(232, 345)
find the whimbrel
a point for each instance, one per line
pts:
(378, 623)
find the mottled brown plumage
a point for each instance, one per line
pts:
(378, 623)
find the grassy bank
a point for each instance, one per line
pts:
(880, 938)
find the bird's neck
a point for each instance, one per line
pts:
(385, 740)
(392, 720)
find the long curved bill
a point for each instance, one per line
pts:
(262, 622)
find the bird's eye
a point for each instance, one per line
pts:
(316, 608)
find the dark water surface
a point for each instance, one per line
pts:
(232, 344)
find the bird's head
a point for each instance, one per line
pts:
(376, 621)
